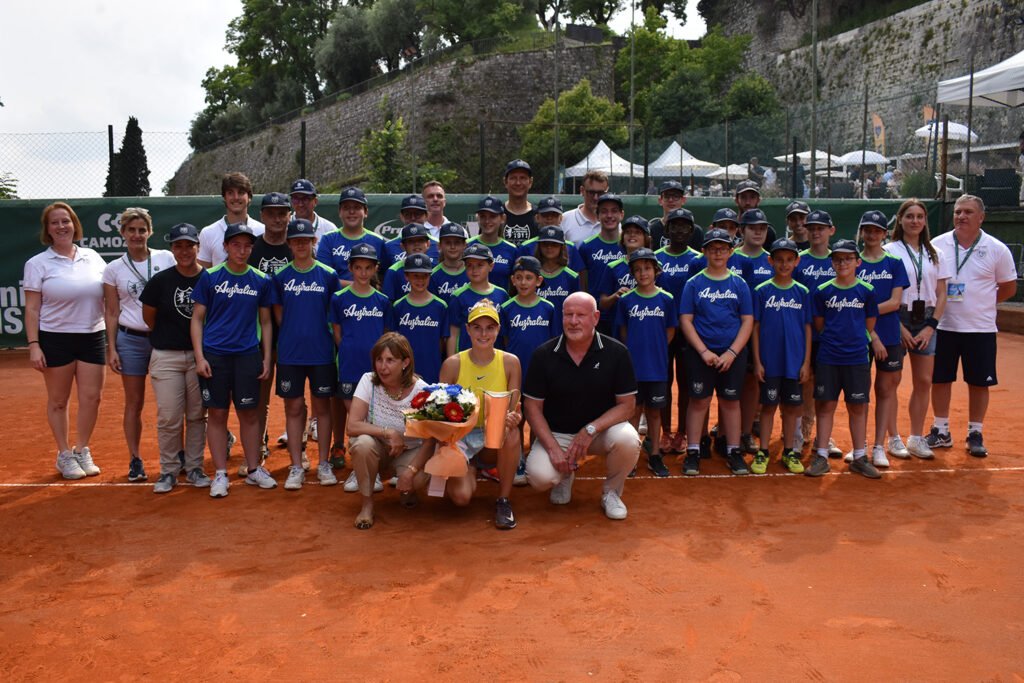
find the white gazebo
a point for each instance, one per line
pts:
(1000, 85)
(676, 162)
(602, 158)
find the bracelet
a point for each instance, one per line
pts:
(931, 322)
(413, 468)
(735, 355)
(32, 342)
(701, 353)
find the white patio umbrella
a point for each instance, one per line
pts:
(732, 170)
(805, 158)
(957, 131)
(676, 162)
(869, 157)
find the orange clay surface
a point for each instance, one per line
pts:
(782, 578)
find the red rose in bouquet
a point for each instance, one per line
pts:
(453, 411)
(419, 399)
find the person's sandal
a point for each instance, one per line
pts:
(363, 522)
(408, 499)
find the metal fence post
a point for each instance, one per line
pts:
(302, 149)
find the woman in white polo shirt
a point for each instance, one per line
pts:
(65, 331)
(128, 344)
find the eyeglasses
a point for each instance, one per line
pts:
(718, 250)
(595, 193)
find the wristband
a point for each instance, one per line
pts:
(931, 322)
(32, 342)
(701, 353)
(735, 355)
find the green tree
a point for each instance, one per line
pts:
(396, 28)
(346, 54)
(583, 119)
(388, 163)
(454, 21)
(128, 171)
(8, 185)
(597, 12)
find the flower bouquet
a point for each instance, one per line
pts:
(446, 413)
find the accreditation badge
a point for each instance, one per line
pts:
(955, 291)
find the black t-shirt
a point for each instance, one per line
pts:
(575, 395)
(270, 258)
(520, 227)
(659, 239)
(170, 293)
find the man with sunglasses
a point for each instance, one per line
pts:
(581, 223)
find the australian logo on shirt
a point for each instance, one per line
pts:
(411, 322)
(359, 312)
(553, 291)
(675, 269)
(713, 295)
(448, 287)
(763, 270)
(233, 289)
(627, 280)
(522, 322)
(603, 256)
(838, 304)
(871, 277)
(819, 272)
(736, 270)
(777, 304)
(406, 287)
(341, 251)
(641, 314)
(299, 288)
(500, 260)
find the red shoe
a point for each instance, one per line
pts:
(665, 444)
(679, 443)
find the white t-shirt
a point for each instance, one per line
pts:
(385, 411)
(71, 290)
(322, 226)
(211, 239)
(930, 274)
(980, 274)
(435, 230)
(578, 227)
(129, 278)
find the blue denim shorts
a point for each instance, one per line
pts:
(134, 352)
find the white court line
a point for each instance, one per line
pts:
(832, 473)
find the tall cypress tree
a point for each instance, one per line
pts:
(128, 172)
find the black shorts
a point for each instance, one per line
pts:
(975, 350)
(776, 390)
(346, 390)
(236, 379)
(291, 380)
(853, 380)
(703, 380)
(64, 348)
(893, 361)
(652, 394)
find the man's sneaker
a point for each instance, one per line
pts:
(260, 477)
(878, 458)
(833, 450)
(325, 474)
(937, 439)
(791, 461)
(691, 463)
(760, 463)
(198, 478)
(520, 479)
(165, 483)
(296, 478)
(897, 448)
(352, 484)
(337, 458)
(503, 517)
(136, 470)
(976, 445)
(819, 467)
(737, 465)
(613, 506)
(747, 444)
(656, 464)
(848, 457)
(705, 447)
(311, 430)
(68, 466)
(863, 466)
(243, 469)
(219, 487)
(84, 458)
(561, 493)
(304, 461)
(283, 439)
(918, 447)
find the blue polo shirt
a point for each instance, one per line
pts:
(885, 275)
(646, 318)
(425, 326)
(783, 314)
(844, 339)
(361, 318)
(334, 248)
(716, 306)
(304, 337)
(232, 301)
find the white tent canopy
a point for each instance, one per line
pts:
(678, 163)
(868, 156)
(602, 158)
(957, 131)
(822, 158)
(1000, 85)
(736, 171)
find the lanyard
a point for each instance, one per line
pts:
(149, 268)
(918, 264)
(956, 253)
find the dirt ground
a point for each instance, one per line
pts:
(914, 577)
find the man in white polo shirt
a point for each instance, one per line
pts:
(304, 201)
(982, 275)
(236, 190)
(581, 222)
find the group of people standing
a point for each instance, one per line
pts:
(591, 314)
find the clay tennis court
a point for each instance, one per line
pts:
(915, 577)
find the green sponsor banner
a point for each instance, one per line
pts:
(20, 221)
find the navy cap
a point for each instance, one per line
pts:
(303, 186)
(797, 207)
(549, 205)
(747, 186)
(414, 201)
(272, 199)
(753, 217)
(235, 229)
(551, 233)
(637, 222)
(818, 217)
(527, 263)
(453, 230)
(844, 247)
(671, 185)
(517, 165)
(490, 204)
(182, 231)
(414, 230)
(784, 244)
(725, 214)
(717, 235)
(680, 214)
(300, 227)
(363, 250)
(352, 194)
(642, 254)
(610, 197)
(418, 263)
(477, 251)
(874, 218)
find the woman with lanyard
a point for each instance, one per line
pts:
(127, 333)
(922, 306)
(64, 327)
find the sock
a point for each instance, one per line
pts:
(973, 427)
(859, 453)
(942, 423)
(823, 453)
(224, 472)
(729, 448)
(693, 446)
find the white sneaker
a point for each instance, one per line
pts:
(85, 462)
(311, 431)
(352, 485)
(642, 427)
(918, 447)
(67, 465)
(834, 450)
(296, 477)
(393, 482)
(283, 439)
(878, 458)
(848, 457)
(305, 461)
(243, 469)
(613, 506)
(896, 448)
(325, 473)
(260, 477)
(561, 494)
(219, 487)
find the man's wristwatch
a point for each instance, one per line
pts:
(590, 429)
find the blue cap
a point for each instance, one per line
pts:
(352, 194)
(235, 229)
(275, 199)
(527, 263)
(300, 227)
(549, 205)
(414, 201)
(414, 230)
(418, 263)
(717, 235)
(844, 247)
(874, 218)
(363, 250)
(642, 254)
(453, 230)
(490, 204)
(671, 185)
(610, 197)
(303, 186)
(182, 231)
(784, 244)
(753, 217)
(797, 207)
(551, 233)
(818, 217)
(747, 186)
(637, 222)
(477, 251)
(679, 214)
(725, 214)
(517, 165)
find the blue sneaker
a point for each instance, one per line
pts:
(520, 479)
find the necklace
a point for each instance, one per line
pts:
(393, 397)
